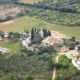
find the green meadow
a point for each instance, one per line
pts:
(13, 46)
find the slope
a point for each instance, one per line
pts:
(27, 23)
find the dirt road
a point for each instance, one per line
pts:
(55, 69)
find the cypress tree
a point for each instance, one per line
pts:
(46, 33)
(32, 34)
(49, 33)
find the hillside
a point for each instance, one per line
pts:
(17, 25)
(9, 9)
(61, 5)
(63, 12)
(30, 30)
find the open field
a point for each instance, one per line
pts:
(27, 23)
(13, 46)
(29, 1)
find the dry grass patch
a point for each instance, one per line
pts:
(27, 23)
(29, 1)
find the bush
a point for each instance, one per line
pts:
(78, 47)
(73, 39)
(70, 43)
(77, 42)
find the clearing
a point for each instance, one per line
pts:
(13, 46)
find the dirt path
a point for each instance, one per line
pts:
(7, 22)
(55, 69)
(28, 1)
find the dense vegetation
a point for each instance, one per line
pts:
(66, 70)
(38, 65)
(58, 11)
(64, 12)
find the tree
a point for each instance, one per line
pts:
(13, 78)
(32, 34)
(49, 33)
(45, 32)
(16, 35)
(29, 77)
(72, 45)
(78, 47)
(35, 36)
(1, 34)
(73, 39)
(11, 34)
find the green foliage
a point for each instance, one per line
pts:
(29, 64)
(57, 12)
(32, 34)
(14, 36)
(78, 47)
(46, 33)
(1, 34)
(49, 33)
(35, 36)
(67, 70)
(15, 47)
(29, 78)
(49, 49)
(73, 39)
(70, 43)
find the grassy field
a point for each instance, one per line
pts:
(13, 46)
(66, 69)
(30, 1)
(27, 23)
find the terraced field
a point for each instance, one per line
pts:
(27, 23)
